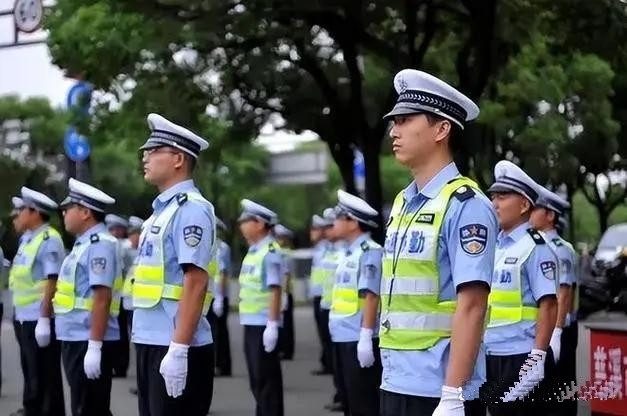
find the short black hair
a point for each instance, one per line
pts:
(98, 216)
(191, 162)
(45, 217)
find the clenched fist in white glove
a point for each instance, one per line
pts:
(173, 369)
(270, 336)
(91, 362)
(365, 355)
(556, 343)
(218, 306)
(451, 402)
(42, 332)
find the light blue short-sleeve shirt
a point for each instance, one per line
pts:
(347, 329)
(47, 264)
(519, 338)
(156, 325)
(422, 373)
(223, 256)
(97, 266)
(272, 272)
(566, 257)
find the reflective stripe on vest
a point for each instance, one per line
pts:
(345, 295)
(330, 260)
(65, 299)
(149, 277)
(506, 297)
(254, 298)
(25, 290)
(413, 317)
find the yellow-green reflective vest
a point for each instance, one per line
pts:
(413, 316)
(65, 299)
(25, 290)
(506, 297)
(317, 272)
(253, 297)
(330, 260)
(150, 283)
(345, 295)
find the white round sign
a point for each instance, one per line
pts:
(28, 15)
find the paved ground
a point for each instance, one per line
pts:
(305, 395)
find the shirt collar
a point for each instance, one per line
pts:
(38, 230)
(266, 240)
(514, 235)
(551, 234)
(435, 185)
(98, 228)
(357, 242)
(165, 196)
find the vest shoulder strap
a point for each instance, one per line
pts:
(536, 236)
(46, 235)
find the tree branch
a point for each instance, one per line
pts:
(429, 33)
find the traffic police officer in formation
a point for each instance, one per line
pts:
(353, 321)
(285, 237)
(547, 212)
(320, 245)
(118, 227)
(439, 253)
(219, 313)
(328, 265)
(87, 300)
(260, 282)
(172, 287)
(32, 280)
(523, 305)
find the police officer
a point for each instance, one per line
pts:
(219, 313)
(548, 210)
(87, 300)
(353, 321)
(439, 253)
(317, 277)
(33, 281)
(260, 282)
(21, 233)
(118, 227)
(523, 299)
(329, 263)
(172, 287)
(285, 237)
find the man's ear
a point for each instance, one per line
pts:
(444, 128)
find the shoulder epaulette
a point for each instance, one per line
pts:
(94, 238)
(464, 192)
(181, 198)
(557, 242)
(537, 238)
(365, 246)
(271, 248)
(46, 235)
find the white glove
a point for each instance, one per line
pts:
(270, 336)
(91, 362)
(218, 306)
(284, 302)
(42, 332)
(173, 369)
(451, 402)
(556, 343)
(365, 355)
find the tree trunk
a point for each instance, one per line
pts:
(343, 157)
(603, 218)
(374, 194)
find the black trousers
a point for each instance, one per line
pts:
(503, 372)
(359, 385)
(395, 404)
(321, 316)
(41, 367)
(264, 373)
(121, 348)
(286, 332)
(151, 394)
(338, 379)
(88, 397)
(566, 370)
(221, 339)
